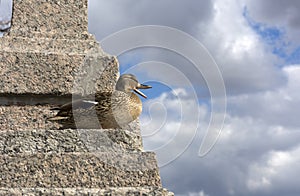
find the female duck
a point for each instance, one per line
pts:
(105, 109)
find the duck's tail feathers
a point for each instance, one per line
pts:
(56, 118)
(56, 108)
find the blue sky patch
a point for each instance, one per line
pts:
(294, 57)
(274, 37)
(127, 62)
(270, 35)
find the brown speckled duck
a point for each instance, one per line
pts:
(107, 109)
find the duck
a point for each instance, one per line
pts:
(105, 110)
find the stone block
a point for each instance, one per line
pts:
(69, 140)
(56, 74)
(49, 18)
(121, 191)
(86, 170)
(27, 116)
(49, 46)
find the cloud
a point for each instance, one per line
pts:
(110, 16)
(241, 163)
(277, 13)
(273, 106)
(170, 122)
(275, 173)
(246, 63)
(283, 16)
(200, 193)
(254, 156)
(258, 150)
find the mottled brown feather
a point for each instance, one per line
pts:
(114, 110)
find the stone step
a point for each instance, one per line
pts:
(30, 117)
(121, 191)
(47, 45)
(26, 117)
(85, 170)
(53, 17)
(51, 34)
(69, 140)
(58, 74)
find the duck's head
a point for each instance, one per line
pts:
(128, 82)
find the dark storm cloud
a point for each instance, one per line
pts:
(220, 34)
(110, 16)
(276, 107)
(277, 13)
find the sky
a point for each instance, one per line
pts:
(255, 46)
(5, 15)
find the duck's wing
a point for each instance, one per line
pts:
(102, 98)
(78, 104)
(66, 109)
(104, 101)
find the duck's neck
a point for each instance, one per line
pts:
(134, 97)
(136, 105)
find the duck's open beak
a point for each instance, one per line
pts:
(141, 86)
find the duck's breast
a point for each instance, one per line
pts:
(135, 106)
(126, 107)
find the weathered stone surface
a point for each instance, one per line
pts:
(48, 46)
(70, 170)
(68, 140)
(121, 191)
(49, 18)
(51, 73)
(47, 56)
(26, 117)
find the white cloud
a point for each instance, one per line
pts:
(276, 106)
(200, 193)
(172, 116)
(257, 153)
(250, 158)
(275, 172)
(253, 156)
(109, 16)
(277, 13)
(247, 64)
(244, 60)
